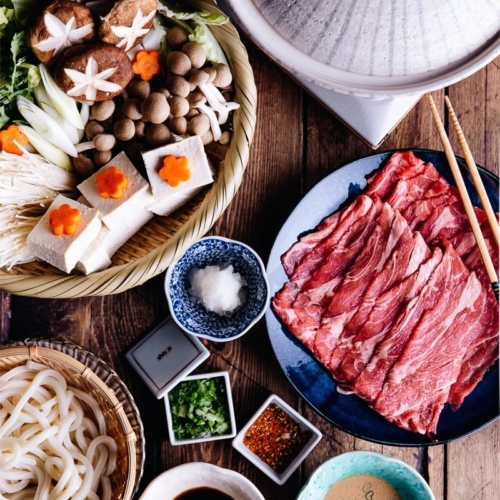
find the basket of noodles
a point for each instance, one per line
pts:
(69, 427)
(163, 238)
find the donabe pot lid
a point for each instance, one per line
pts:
(375, 47)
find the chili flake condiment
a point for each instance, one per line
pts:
(276, 438)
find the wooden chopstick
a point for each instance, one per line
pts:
(474, 173)
(469, 209)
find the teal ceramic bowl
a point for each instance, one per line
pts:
(407, 481)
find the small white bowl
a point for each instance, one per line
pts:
(278, 477)
(191, 315)
(232, 430)
(173, 482)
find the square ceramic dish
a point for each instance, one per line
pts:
(226, 384)
(165, 356)
(305, 427)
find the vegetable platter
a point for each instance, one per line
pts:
(27, 89)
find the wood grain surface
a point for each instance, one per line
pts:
(297, 143)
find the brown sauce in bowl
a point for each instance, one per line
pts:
(362, 487)
(203, 493)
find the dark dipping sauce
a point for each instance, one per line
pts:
(276, 438)
(203, 493)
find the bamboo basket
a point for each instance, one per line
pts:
(163, 239)
(85, 371)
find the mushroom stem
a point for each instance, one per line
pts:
(85, 115)
(214, 124)
(222, 107)
(84, 146)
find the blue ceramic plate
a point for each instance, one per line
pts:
(309, 377)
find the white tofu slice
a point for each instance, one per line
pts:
(64, 251)
(98, 254)
(116, 213)
(167, 199)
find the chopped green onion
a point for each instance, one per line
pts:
(199, 408)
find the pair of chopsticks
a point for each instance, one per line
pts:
(490, 214)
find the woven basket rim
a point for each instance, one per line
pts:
(41, 349)
(119, 278)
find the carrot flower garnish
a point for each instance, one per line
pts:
(7, 138)
(64, 220)
(111, 183)
(146, 64)
(175, 170)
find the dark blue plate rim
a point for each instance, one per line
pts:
(309, 378)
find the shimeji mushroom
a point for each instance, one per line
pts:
(214, 124)
(216, 103)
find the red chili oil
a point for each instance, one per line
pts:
(276, 438)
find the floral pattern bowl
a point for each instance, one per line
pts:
(191, 315)
(409, 484)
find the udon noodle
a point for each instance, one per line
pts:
(50, 449)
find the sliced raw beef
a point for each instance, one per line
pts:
(448, 221)
(349, 293)
(395, 314)
(420, 210)
(352, 221)
(409, 252)
(303, 245)
(475, 364)
(323, 281)
(297, 308)
(401, 165)
(406, 191)
(484, 352)
(418, 384)
(390, 293)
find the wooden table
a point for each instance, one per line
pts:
(296, 144)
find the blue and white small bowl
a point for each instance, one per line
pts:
(405, 479)
(192, 316)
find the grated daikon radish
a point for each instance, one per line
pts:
(219, 289)
(28, 185)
